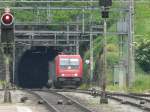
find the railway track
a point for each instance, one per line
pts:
(141, 101)
(140, 94)
(133, 96)
(59, 103)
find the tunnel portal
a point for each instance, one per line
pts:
(33, 67)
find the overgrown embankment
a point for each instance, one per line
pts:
(142, 52)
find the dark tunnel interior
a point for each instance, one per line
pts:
(33, 67)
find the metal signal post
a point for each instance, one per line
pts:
(131, 64)
(105, 4)
(7, 40)
(104, 70)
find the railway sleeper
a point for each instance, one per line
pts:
(60, 102)
(41, 102)
(69, 102)
(142, 102)
(23, 99)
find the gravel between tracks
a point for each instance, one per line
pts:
(31, 102)
(93, 103)
(53, 99)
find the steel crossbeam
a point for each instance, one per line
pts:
(65, 32)
(51, 1)
(69, 1)
(53, 8)
(43, 44)
(48, 40)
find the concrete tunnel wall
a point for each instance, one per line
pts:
(33, 67)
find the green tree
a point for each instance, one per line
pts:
(143, 55)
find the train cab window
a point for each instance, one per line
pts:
(74, 63)
(70, 63)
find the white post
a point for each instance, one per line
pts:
(14, 63)
(104, 73)
(131, 65)
(91, 48)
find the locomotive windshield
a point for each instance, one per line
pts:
(69, 63)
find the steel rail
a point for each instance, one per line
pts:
(66, 90)
(109, 95)
(54, 91)
(112, 95)
(50, 106)
(116, 96)
(79, 105)
(121, 100)
(129, 96)
(140, 94)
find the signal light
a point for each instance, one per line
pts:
(7, 26)
(105, 14)
(7, 19)
(105, 3)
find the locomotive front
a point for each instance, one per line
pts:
(69, 70)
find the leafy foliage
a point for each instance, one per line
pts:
(142, 23)
(143, 55)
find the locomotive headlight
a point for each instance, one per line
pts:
(75, 75)
(69, 67)
(62, 74)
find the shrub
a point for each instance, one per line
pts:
(143, 55)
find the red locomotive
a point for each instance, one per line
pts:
(68, 71)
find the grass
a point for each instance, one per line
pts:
(142, 31)
(85, 86)
(2, 83)
(142, 23)
(141, 84)
(116, 88)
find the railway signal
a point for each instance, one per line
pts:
(7, 40)
(7, 26)
(104, 4)
(7, 19)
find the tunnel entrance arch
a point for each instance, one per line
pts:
(33, 68)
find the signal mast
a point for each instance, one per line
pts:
(7, 41)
